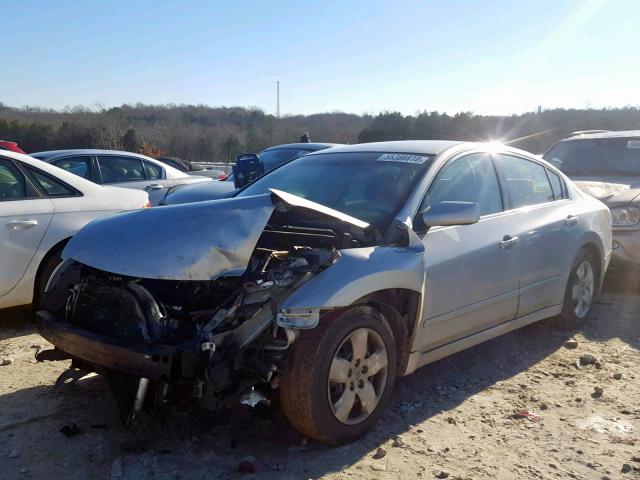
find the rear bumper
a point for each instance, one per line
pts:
(164, 363)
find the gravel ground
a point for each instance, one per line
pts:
(456, 419)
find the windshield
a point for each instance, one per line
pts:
(272, 158)
(597, 157)
(366, 185)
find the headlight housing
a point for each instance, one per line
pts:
(625, 216)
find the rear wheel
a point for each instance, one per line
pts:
(581, 290)
(340, 376)
(46, 270)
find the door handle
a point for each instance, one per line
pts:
(508, 241)
(571, 221)
(155, 186)
(22, 224)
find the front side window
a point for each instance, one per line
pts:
(526, 182)
(77, 165)
(152, 172)
(370, 186)
(12, 182)
(49, 185)
(471, 178)
(116, 169)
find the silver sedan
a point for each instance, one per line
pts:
(332, 275)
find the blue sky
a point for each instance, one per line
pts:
(483, 56)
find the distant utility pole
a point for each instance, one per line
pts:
(278, 99)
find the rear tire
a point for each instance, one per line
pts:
(340, 376)
(46, 270)
(580, 293)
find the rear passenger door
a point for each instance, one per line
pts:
(24, 218)
(537, 198)
(131, 172)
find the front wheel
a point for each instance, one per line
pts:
(340, 376)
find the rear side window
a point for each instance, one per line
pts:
(116, 169)
(12, 182)
(77, 165)
(557, 185)
(526, 182)
(49, 185)
(152, 172)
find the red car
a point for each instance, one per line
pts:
(11, 146)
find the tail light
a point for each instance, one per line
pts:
(147, 204)
(222, 177)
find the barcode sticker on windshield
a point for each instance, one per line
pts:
(400, 157)
(633, 143)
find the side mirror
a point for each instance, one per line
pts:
(248, 167)
(451, 213)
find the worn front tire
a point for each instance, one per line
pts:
(340, 376)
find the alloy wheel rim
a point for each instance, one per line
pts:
(582, 289)
(357, 376)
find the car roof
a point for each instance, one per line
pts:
(309, 146)
(619, 134)
(50, 155)
(425, 147)
(87, 151)
(67, 177)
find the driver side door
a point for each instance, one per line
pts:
(472, 271)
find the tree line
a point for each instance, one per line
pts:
(203, 133)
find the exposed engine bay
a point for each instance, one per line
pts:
(215, 340)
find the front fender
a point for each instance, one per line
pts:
(356, 273)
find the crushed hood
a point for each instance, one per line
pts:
(609, 192)
(601, 190)
(194, 241)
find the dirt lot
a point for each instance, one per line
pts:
(453, 419)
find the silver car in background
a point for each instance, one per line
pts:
(120, 169)
(330, 276)
(606, 165)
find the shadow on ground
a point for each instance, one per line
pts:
(15, 322)
(204, 443)
(207, 441)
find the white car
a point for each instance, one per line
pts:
(41, 208)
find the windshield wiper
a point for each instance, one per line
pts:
(610, 173)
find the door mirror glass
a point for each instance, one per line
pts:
(248, 167)
(451, 213)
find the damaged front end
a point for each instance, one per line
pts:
(187, 297)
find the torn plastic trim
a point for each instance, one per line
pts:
(300, 317)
